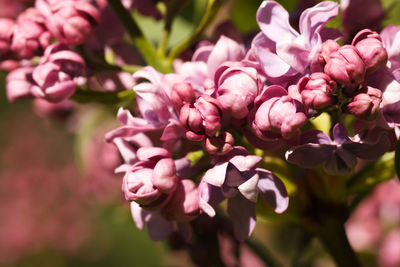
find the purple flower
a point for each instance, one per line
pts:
(235, 176)
(70, 21)
(369, 45)
(346, 66)
(203, 118)
(340, 154)
(155, 106)
(30, 35)
(219, 145)
(281, 50)
(6, 31)
(317, 90)
(237, 86)
(56, 76)
(365, 105)
(151, 181)
(207, 59)
(391, 42)
(19, 83)
(277, 115)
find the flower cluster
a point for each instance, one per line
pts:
(201, 132)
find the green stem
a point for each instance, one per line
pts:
(109, 98)
(333, 236)
(210, 13)
(144, 46)
(174, 7)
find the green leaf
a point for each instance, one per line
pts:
(392, 9)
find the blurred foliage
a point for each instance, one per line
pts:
(392, 8)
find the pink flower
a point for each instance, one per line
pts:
(19, 83)
(277, 115)
(317, 90)
(6, 31)
(203, 118)
(30, 35)
(282, 51)
(365, 105)
(70, 21)
(370, 47)
(237, 86)
(346, 66)
(235, 176)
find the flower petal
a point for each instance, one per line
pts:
(273, 190)
(243, 215)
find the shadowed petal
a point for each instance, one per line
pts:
(243, 215)
(273, 191)
(310, 155)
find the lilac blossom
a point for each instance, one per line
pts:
(281, 50)
(277, 115)
(391, 41)
(6, 31)
(201, 119)
(19, 83)
(237, 87)
(370, 47)
(339, 154)
(157, 110)
(365, 105)
(317, 90)
(57, 75)
(235, 176)
(206, 60)
(70, 21)
(30, 35)
(346, 66)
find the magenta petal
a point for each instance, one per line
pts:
(173, 131)
(243, 215)
(273, 20)
(341, 163)
(273, 191)
(158, 227)
(245, 163)
(249, 188)
(137, 217)
(369, 150)
(210, 197)
(216, 175)
(164, 176)
(314, 18)
(146, 153)
(296, 55)
(315, 137)
(310, 155)
(340, 134)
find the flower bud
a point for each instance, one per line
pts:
(365, 105)
(219, 145)
(279, 117)
(203, 118)
(184, 204)
(6, 31)
(237, 88)
(369, 45)
(316, 90)
(30, 35)
(327, 48)
(19, 83)
(346, 66)
(70, 21)
(182, 93)
(151, 181)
